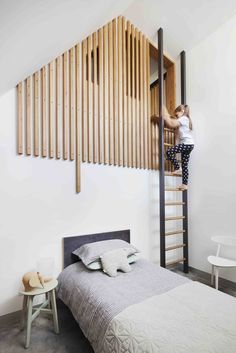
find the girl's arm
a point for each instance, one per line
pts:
(170, 122)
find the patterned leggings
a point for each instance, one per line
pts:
(185, 151)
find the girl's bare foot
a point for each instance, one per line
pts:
(183, 187)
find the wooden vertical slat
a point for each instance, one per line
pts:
(141, 115)
(124, 93)
(129, 121)
(111, 87)
(43, 95)
(65, 105)
(90, 100)
(100, 98)
(120, 97)
(133, 104)
(137, 99)
(84, 115)
(145, 122)
(28, 115)
(115, 94)
(58, 105)
(95, 98)
(51, 109)
(170, 88)
(78, 117)
(72, 102)
(19, 119)
(36, 114)
(106, 95)
(148, 106)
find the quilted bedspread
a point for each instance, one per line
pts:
(191, 318)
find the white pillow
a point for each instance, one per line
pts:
(97, 264)
(115, 260)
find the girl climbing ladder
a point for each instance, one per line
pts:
(183, 125)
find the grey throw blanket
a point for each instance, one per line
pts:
(95, 299)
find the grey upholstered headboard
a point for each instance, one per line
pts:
(72, 243)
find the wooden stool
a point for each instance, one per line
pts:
(49, 306)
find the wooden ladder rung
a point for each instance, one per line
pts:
(171, 174)
(175, 262)
(168, 248)
(170, 130)
(172, 189)
(168, 144)
(176, 218)
(174, 232)
(174, 203)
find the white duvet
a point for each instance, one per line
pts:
(191, 318)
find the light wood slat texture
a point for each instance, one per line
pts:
(36, 114)
(65, 105)
(137, 63)
(84, 115)
(149, 124)
(105, 95)
(28, 116)
(117, 102)
(171, 174)
(72, 102)
(133, 103)
(110, 88)
(58, 105)
(174, 247)
(172, 189)
(124, 92)
(174, 218)
(115, 94)
(43, 94)
(19, 119)
(101, 129)
(170, 263)
(51, 109)
(175, 232)
(174, 203)
(89, 100)
(95, 98)
(129, 121)
(78, 118)
(120, 100)
(141, 115)
(145, 118)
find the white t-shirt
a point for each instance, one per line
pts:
(185, 135)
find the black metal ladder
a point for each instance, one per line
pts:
(163, 174)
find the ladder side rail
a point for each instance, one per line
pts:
(185, 193)
(161, 149)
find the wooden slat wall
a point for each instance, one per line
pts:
(93, 103)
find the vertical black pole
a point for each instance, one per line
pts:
(185, 193)
(161, 150)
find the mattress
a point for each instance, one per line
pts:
(148, 310)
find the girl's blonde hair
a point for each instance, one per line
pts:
(185, 108)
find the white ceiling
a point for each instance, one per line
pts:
(32, 32)
(185, 22)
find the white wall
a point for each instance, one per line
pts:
(211, 79)
(39, 206)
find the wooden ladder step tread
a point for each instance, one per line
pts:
(170, 130)
(175, 218)
(172, 189)
(174, 232)
(173, 247)
(168, 144)
(175, 262)
(171, 174)
(174, 203)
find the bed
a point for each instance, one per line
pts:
(148, 310)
